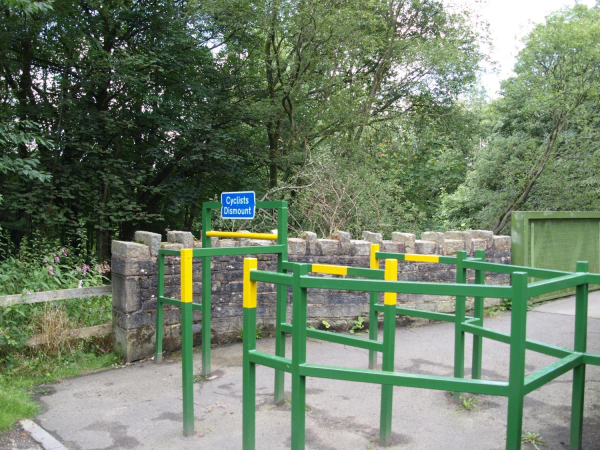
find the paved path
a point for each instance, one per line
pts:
(139, 406)
(566, 306)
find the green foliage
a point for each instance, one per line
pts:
(468, 403)
(335, 200)
(259, 334)
(358, 325)
(19, 134)
(542, 152)
(506, 305)
(27, 7)
(137, 116)
(533, 439)
(36, 268)
(17, 404)
(325, 324)
(39, 266)
(494, 311)
(29, 371)
(107, 126)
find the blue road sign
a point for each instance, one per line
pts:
(238, 205)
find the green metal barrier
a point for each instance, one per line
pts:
(187, 306)
(515, 389)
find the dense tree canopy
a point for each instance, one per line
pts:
(132, 111)
(543, 152)
(123, 114)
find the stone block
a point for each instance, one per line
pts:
(197, 244)
(360, 248)
(375, 238)
(478, 244)
(426, 247)
(134, 345)
(309, 236)
(124, 249)
(152, 240)
(345, 244)
(227, 243)
(435, 236)
(257, 242)
(171, 246)
(329, 247)
(451, 246)
(149, 282)
(296, 246)
(391, 246)
(133, 267)
(126, 294)
(137, 319)
(184, 238)
(408, 239)
(342, 236)
(459, 236)
(488, 236)
(445, 305)
(502, 243)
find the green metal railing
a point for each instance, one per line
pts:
(515, 389)
(188, 306)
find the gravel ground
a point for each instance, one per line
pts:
(18, 439)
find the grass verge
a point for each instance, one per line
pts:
(25, 373)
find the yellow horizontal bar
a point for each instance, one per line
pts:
(329, 269)
(233, 234)
(422, 258)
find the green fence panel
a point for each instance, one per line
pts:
(556, 241)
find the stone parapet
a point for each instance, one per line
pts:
(134, 267)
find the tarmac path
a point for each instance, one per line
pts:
(139, 406)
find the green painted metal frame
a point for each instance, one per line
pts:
(206, 253)
(523, 237)
(515, 389)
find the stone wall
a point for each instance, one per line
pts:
(134, 280)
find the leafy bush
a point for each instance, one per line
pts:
(37, 267)
(353, 197)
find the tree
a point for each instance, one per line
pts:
(547, 114)
(143, 110)
(320, 74)
(137, 109)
